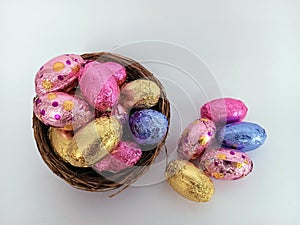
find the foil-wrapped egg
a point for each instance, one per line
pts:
(59, 109)
(118, 71)
(59, 74)
(124, 156)
(226, 164)
(99, 86)
(94, 141)
(244, 136)
(139, 94)
(224, 110)
(189, 181)
(121, 113)
(60, 141)
(148, 126)
(196, 138)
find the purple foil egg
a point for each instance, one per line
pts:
(226, 164)
(148, 126)
(224, 110)
(244, 136)
(62, 110)
(99, 86)
(58, 74)
(125, 155)
(196, 138)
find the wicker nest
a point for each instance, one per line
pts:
(86, 178)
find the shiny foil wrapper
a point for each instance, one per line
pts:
(59, 74)
(99, 86)
(244, 136)
(148, 127)
(60, 141)
(118, 71)
(226, 164)
(196, 138)
(124, 156)
(139, 94)
(58, 109)
(224, 110)
(121, 113)
(94, 141)
(189, 181)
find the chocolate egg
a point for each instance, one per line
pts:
(121, 113)
(224, 110)
(94, 141)
(226, 164)
(118, 71)
(58, 74)
(189, 181)
(148, 126)
(99, 86)
(58, 109)
(139, 94)
(60, 141)
(196, 138)
(124, 156)
(244, 136)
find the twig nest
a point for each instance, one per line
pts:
(81, 119)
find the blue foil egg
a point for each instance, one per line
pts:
(244, 136)
(148, 126)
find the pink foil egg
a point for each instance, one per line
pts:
(121, 113)
(58, 109)
(118, 71)
(58, 74)
(125, 155)
(99, 86)
(226, 164)
(196, 138)
(224, 110)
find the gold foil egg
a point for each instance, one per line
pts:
(60, 141)
(94, 141)
(189, 181)
(140, 94)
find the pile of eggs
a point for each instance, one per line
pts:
(89, 106)
(221, 124)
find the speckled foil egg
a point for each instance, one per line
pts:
(189, 181)
(196, 138)
(60, 141)
(99, 86)
(94, 141)
(118, 71)
(124, 156)
(58, 109)
(244, 136)
(139, 94)
(224, 110)
(226, 164)
(58, 74)
(148, 126)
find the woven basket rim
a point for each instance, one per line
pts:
(86, 178)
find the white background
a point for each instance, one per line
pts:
(253, 49)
